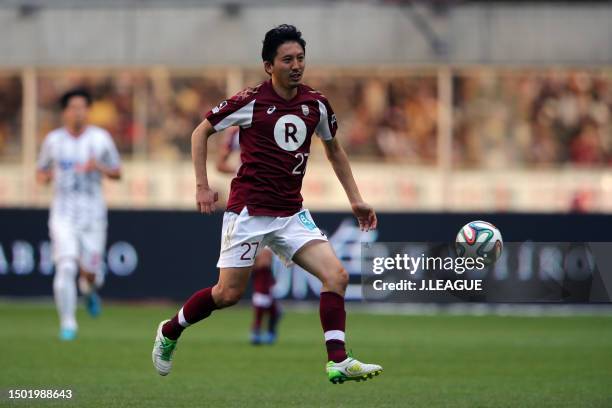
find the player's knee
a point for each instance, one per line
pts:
(338, 279)
(65, 272)
(343, 278)
(226, 297)
(230, 298)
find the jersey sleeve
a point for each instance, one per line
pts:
(109, 156)
(327, 127)
(45, 159)
(236, 111)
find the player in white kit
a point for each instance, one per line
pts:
(76, 157)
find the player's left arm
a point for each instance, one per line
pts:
(339, 160)
(110, 161)
(113, 173)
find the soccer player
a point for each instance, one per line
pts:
(277, 119)
(76, 157)
(263, 300)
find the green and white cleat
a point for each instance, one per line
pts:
(163, 351)
(351, 370)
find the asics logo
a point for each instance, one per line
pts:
(271, 109)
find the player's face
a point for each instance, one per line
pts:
(75, 114)
(288, 66)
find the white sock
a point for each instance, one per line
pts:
(99, 280)
(65, 293)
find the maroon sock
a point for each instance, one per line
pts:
(333, 320)
(259, 312)
(274, 311)
(199, 306)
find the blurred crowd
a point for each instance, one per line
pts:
(500, 118)
(531, 118)
(10, 116)
(112, 108)
(391, 117)
(150, 114)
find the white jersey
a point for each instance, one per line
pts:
(78, 196)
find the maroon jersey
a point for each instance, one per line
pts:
(275, 137)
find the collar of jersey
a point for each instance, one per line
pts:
(299, 91)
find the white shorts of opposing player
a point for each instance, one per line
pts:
(73, 245)
(242, 236)
(262, 300)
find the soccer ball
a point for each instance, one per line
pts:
(479, 239)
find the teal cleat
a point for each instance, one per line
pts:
(269, 338)
(256, 338)
(67, 334)
(93, 304)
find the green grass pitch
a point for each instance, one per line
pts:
(429, 361)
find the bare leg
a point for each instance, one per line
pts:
(227, 292)
(319, 259)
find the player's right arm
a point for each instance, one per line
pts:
(44, 166)
(44, 176)
(205, 196)
(236, 111)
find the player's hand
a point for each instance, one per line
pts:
(206, 199)
(88, 167)
(365, 215)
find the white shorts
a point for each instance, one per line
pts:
(85, 243)
(243, 235)
(262, 299)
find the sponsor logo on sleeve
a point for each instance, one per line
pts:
(217, 108)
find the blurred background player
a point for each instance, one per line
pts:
(76, 157)
(263, 300)
(229, 145)
(277, 119)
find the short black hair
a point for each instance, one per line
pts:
(65, 99)
(277, 37)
